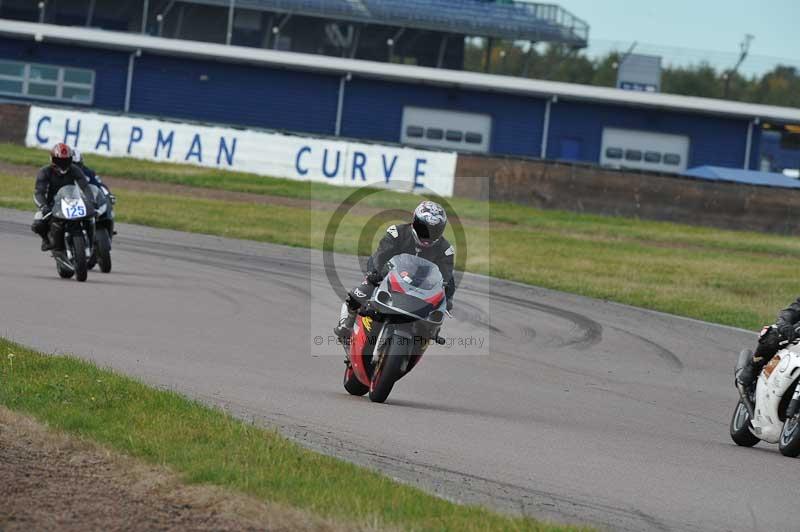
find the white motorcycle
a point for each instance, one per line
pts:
(771, 412)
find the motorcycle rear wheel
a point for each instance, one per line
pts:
(352, 384)
(740, 427)
(63, 271)
(789, 444)
(103, 250)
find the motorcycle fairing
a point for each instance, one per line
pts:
(771, 388)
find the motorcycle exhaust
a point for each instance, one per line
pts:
(65, 264)
(746, 400)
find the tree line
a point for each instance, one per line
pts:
(779, 86)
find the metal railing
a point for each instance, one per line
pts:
(504, 19)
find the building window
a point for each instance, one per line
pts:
(633, 155)
(454, 135)
(47, 82)
(434, 133)
(614, 153)
(672, 159)
(473, 138)
(415, 132)
(652, 157)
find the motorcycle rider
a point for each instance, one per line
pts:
(769, 342)
(422, 237)
(94, 179)
(91, 175)
(59, 173)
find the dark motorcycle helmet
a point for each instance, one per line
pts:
(428, 223)
(61, 157)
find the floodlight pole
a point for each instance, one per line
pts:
(744, 49)
(231, 9)
(489, 46)
(276, 30)
(442, 51)
(392, 41)
(528, 59)
(90, 12)
(354, 46)
(145, 13)
(41, 7)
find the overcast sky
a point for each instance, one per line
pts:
(715, 25)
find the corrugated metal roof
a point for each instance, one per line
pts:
(405, 73)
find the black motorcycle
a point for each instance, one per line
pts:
(104, 229)
(73, 217)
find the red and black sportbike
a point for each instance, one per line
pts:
(394, 328)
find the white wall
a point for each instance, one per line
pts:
(270, 154)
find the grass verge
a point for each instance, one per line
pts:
(206, 446)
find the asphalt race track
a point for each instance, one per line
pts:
(585, 411)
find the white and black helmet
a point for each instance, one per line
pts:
(429, 223)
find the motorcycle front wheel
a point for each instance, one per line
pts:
(789, 444)
(740, 427)
(388, 371)
(79, 256)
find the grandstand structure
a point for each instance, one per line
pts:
(421, 32)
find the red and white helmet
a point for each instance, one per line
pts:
(428, 223)
(61, 157)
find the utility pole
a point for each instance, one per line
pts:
(744, 49)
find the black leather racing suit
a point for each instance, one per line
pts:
(400, 239)
(48, 183)
(771, 337)
(93, 178)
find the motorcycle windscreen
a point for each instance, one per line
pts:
(416, 272)
(69, 203)
(416, 284)
(100, 199)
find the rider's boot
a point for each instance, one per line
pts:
(46, 245)
(749, 373)
(347, 319)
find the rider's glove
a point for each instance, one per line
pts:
(787, 331)
(112, 198)
(45, 210)
(374, 278)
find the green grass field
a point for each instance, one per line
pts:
(205, 445)
(728, 277)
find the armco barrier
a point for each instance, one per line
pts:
(597, 190)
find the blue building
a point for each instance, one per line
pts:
(124, 72)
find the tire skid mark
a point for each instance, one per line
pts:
(663, 353)
(591, 332)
